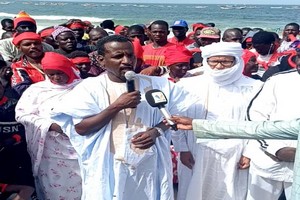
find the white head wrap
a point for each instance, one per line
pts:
(109, 32)
(228, 75)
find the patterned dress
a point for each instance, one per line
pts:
(55, 166)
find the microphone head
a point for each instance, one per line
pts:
(156, 98)
(130, 75)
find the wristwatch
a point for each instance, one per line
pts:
(159, 130)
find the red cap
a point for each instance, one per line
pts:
(198, 26)
(210, 32)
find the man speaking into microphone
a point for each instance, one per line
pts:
(123, 149)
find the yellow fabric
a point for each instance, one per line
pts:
(86, 36)
(22, 13)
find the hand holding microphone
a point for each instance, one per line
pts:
(131, 98)
(157, 99)
(130, 75)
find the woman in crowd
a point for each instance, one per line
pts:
(55, 166)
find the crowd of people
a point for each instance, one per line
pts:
(71, 129)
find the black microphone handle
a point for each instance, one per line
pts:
(130, 86)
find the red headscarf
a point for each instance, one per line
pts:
(80, 60)
(247, 55)
(46, 32)
(118, 29)
(56, 61)
(177, 54)
(138, 49)
(76, 25)
(198, 26)
(249, 39)
(18, 38)
(23, 17)
(87, 23)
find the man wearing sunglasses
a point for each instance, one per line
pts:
(224, 93)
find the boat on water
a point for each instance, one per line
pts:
(200, 6)
(5, 3)
(293, 8)
(276, 7)
(231, 7)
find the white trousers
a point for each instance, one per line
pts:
(184, 179)
(266, 189)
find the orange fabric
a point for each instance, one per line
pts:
(23, 16)
(177, 54)
(56, 61)
(187, 41)
(79, 60)
(26, 36)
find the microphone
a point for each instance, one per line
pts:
(130, 75)
(157, 99)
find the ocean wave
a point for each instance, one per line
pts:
(57, 17)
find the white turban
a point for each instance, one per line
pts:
(222, 49)
(228, 75)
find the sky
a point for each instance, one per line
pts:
(270, 2)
